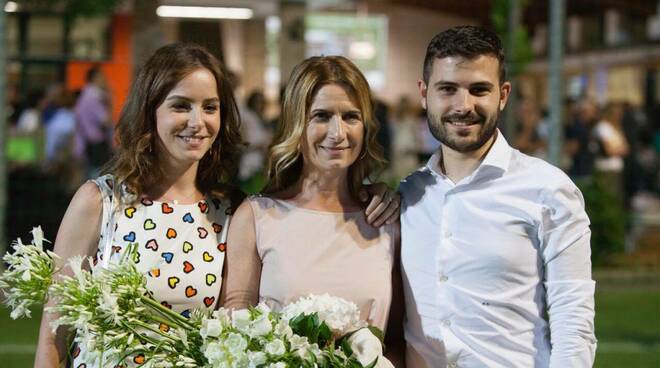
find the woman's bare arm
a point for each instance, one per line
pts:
(78, 235)
(242, 262)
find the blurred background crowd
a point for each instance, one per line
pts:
(68, 65)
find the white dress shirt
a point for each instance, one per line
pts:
(496, 268)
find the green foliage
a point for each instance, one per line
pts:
(607, 217)
(520, 53)
(311, 326)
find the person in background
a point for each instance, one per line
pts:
(93, 124)
(256, 135)
(406, 139)
(60, 129)
(531, 133)
(579, 143)
(612, 148)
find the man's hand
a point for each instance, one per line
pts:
(384, 205)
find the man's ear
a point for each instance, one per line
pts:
(505, 90)
(422, 91)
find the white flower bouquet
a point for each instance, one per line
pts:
(117, 321)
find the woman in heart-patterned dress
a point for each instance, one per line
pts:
(166, 190)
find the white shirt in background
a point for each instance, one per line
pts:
(485, 258)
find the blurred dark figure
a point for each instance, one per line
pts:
(256, 134)
(49, 104)
(406, 140)
(531, 131)
(384, 137)
(579, 142)
(14, 105)
(631, 122)
(93, 125)
(30, 118)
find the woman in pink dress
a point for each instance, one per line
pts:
(308, 232)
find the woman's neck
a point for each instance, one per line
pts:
(177, 184)
(324, 191)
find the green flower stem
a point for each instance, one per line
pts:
(166, 312)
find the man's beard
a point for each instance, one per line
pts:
(438, 127)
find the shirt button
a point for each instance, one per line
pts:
(446, 322)
(443, 278)
(447, 234)
(452, 365)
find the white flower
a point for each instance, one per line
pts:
(240, 319)
(260, 326)
(256, 358)
(236, 343)
(275, 347)
(339, 314)
(277, 365)
(38, 236)
(210, 327)
(367, 348)
(282, 328)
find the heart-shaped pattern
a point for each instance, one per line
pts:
(217, 228)
(76, 351)
(210, 279)
(187, 247)
(172, 281)
(139, 359)
(207, 257)
(149, 224)
(152, 244)
(222, 247)
(186, 313)
(129, 212)
(130, 237)
(166, 208)
(188, 218)
(171, 233)
(209, 300)
(168, 257)
(166, 304)
(136, 257)
(155, 272)
(216, 203)
(202, 232)
(190, 291)
(116, 249)
(188, 267)
(163, 327)
(203, 206)
(147, 202)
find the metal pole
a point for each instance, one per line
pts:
(3, 129)
(513, 23)
(554, 80)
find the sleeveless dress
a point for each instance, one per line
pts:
(181, 247)
(306, 252)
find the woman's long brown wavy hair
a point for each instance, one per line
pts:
(135, 162)
(285, 159)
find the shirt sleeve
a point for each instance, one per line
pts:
(570, 290)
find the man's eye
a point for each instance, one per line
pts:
(447, 89)
(478, 91)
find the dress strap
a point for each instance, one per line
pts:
(106, 185)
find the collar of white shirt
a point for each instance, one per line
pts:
(498, 157)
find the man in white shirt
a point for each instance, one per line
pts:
(495, 243)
